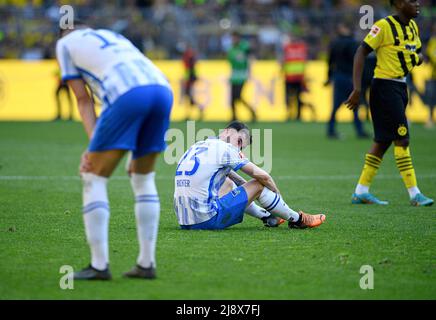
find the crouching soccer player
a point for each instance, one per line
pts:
(137, 101)
(206, 193)
(396, 42)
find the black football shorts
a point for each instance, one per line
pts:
(388, 101)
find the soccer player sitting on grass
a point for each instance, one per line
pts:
(206, 194)
(396, 42)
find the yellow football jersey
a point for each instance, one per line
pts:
(396, 45)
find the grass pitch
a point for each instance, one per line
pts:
(41, 225)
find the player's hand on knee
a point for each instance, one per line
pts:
(85, 165)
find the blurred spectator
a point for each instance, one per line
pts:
(189, 62)
(340, 73)
(158, 25)
(430, 86)
(293, 66)
(368, 74)
(413, 90)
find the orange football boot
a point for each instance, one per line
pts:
(307, 221)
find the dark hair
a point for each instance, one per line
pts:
(238, 126)
(77, 22)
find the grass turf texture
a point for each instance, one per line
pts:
(41, 225)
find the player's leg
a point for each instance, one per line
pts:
(185, 99)
(99, 167)
(226, 187)
(108, 134)
(402, 154)
(246, 104)
(269, 200)
(252, 208)
(431, 115)
(430, 101)
(358, 126)
(147, 212)
(372, 163)
(312, 109)
(337, 101)
(231, 206)
(383, 99)
(192, 99)
(298, 92)
(96, 211)
(373, 160)
(251, 109)
(292, 99)
(287, 100)
(104, 163)
(275, 204)
(158, 101)
(58, 102)
(234, 97)
(188, 95)
(115, 132)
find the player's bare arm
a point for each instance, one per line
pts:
(260, 175)
(236, 178)
(85, 105)
(359, 61)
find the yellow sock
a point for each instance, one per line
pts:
(372, 163)
(404, 164)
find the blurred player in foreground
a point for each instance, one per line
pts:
(396, 42)
(210, 195)
(137, 101)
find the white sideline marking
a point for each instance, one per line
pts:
(160, 177)
(347, 177)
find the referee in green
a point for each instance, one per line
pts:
(239, 59)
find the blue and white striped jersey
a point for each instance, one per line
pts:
(199, 176)
(108, 62)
